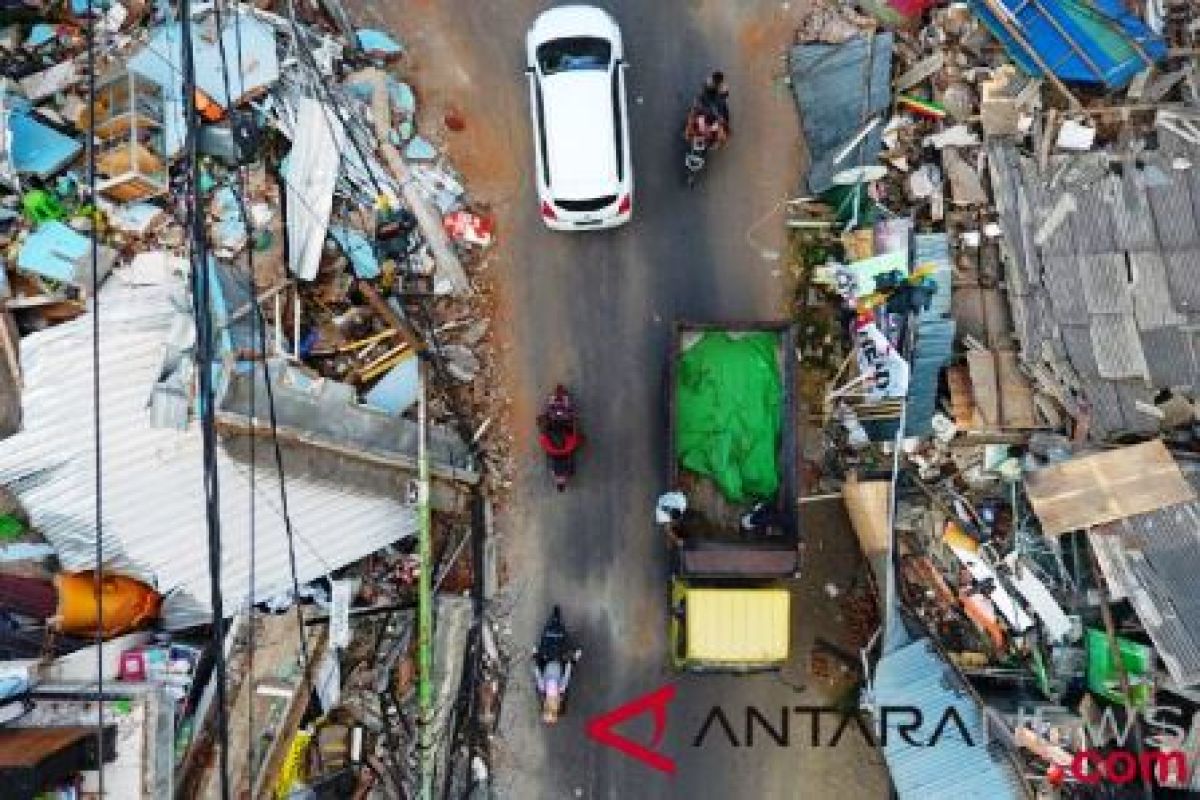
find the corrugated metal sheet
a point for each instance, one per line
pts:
(1182, 270)
(933, 249)
(1129, 394)
(1084, 304)
(1105, 282)
(935, 342)
(1077, 340)
(838, 88)
(1092, 226)
(1174, 216)
(154, 521)
(1133, 222)
(957, 766)
(1158, 561)
(1153, 305)
(1066, 289)
(1117, 346)
(1172, 356)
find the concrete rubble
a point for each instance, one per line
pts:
(344, 251)
(996, 270)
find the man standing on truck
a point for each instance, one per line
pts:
(668, 512)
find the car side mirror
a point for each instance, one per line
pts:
(528, 70)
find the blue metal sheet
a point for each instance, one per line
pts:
(959, 765)
(838, 88)
(1094, 42)
(55, 251)
(38, 149)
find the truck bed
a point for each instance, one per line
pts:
(712, 519)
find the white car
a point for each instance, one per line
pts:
(576, 70)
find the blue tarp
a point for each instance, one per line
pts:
(38, 149)
(1095, 42)
(839, 88)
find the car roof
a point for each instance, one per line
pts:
(580, 142)
(573, 20)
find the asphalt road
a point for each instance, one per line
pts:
(594, 311)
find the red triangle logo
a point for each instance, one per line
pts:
(601, 728)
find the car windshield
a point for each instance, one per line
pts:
(573, 54)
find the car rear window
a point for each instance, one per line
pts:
(594, 204)
(573, 54)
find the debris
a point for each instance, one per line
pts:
(463, 226)
(313, 168)
(419, 149)
(57, 252)
(38, 149)
(1075, 136)
(378, 43)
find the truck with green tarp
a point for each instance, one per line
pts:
(733, 453)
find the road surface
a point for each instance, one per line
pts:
(594, 311)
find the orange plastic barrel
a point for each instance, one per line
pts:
(128, 604)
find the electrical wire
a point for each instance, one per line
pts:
(202, 302)
(98, 574)
(254, 327)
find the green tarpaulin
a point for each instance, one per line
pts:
(728, 395)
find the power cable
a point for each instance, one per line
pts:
(254, 327)
(98, 574)
(202, 302)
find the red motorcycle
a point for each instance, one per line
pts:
(559, 436)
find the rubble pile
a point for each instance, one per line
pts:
(996, 260)
(346, 265)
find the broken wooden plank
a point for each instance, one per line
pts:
(1103, 487)
(984, 386)
(1016, 394)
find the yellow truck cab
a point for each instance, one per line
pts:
(729, 629)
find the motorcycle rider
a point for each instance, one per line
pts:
(709, 116)
(715, 96)
(558, 436)
(552, 663)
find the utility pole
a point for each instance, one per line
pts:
(424, 593)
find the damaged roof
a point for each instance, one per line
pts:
(915, 675)
(153, 476)
(1102, 265)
